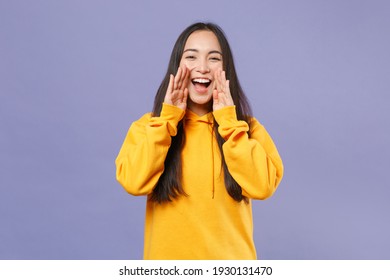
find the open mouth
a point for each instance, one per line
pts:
(201, 82)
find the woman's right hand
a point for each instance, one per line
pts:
(177, 91)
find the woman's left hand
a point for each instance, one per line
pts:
(221, 92)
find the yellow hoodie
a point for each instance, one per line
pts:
(208, 223)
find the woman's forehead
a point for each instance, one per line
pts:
(202, 40)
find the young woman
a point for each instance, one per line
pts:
(200, 156)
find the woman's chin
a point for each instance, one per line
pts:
(200, 98)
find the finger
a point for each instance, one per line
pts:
(181, 78)
(219, 81)
(228, 94)
(223, 80)
(170, 85)
(214, 84)
(177, 78)
(227, 88)
(186, 74)
(185, 96)
(215, 80)
(223, 77)
(215, 96)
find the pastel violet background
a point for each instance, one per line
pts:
(75, 74)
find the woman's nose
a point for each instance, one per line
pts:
(203, 67)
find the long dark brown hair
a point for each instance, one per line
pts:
(169, 184)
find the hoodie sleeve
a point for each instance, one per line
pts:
(140, 161)
(254, 161)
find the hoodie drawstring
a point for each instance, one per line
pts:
(212, 161)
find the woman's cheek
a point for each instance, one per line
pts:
(216, 66)
(186, 64)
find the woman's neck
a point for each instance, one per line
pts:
(199, 109)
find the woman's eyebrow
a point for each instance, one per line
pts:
(215, 51)
(195, 50)
(190, 50)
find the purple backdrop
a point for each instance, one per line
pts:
(75, 74)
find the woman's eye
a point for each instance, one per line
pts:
(190, 57)
(215, 59)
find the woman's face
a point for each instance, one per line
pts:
(202, 55)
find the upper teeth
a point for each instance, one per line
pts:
(201, 81)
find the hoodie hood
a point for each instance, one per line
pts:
(192, 117)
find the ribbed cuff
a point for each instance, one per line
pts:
(228, 123)
(225, 115)
(172, 115)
